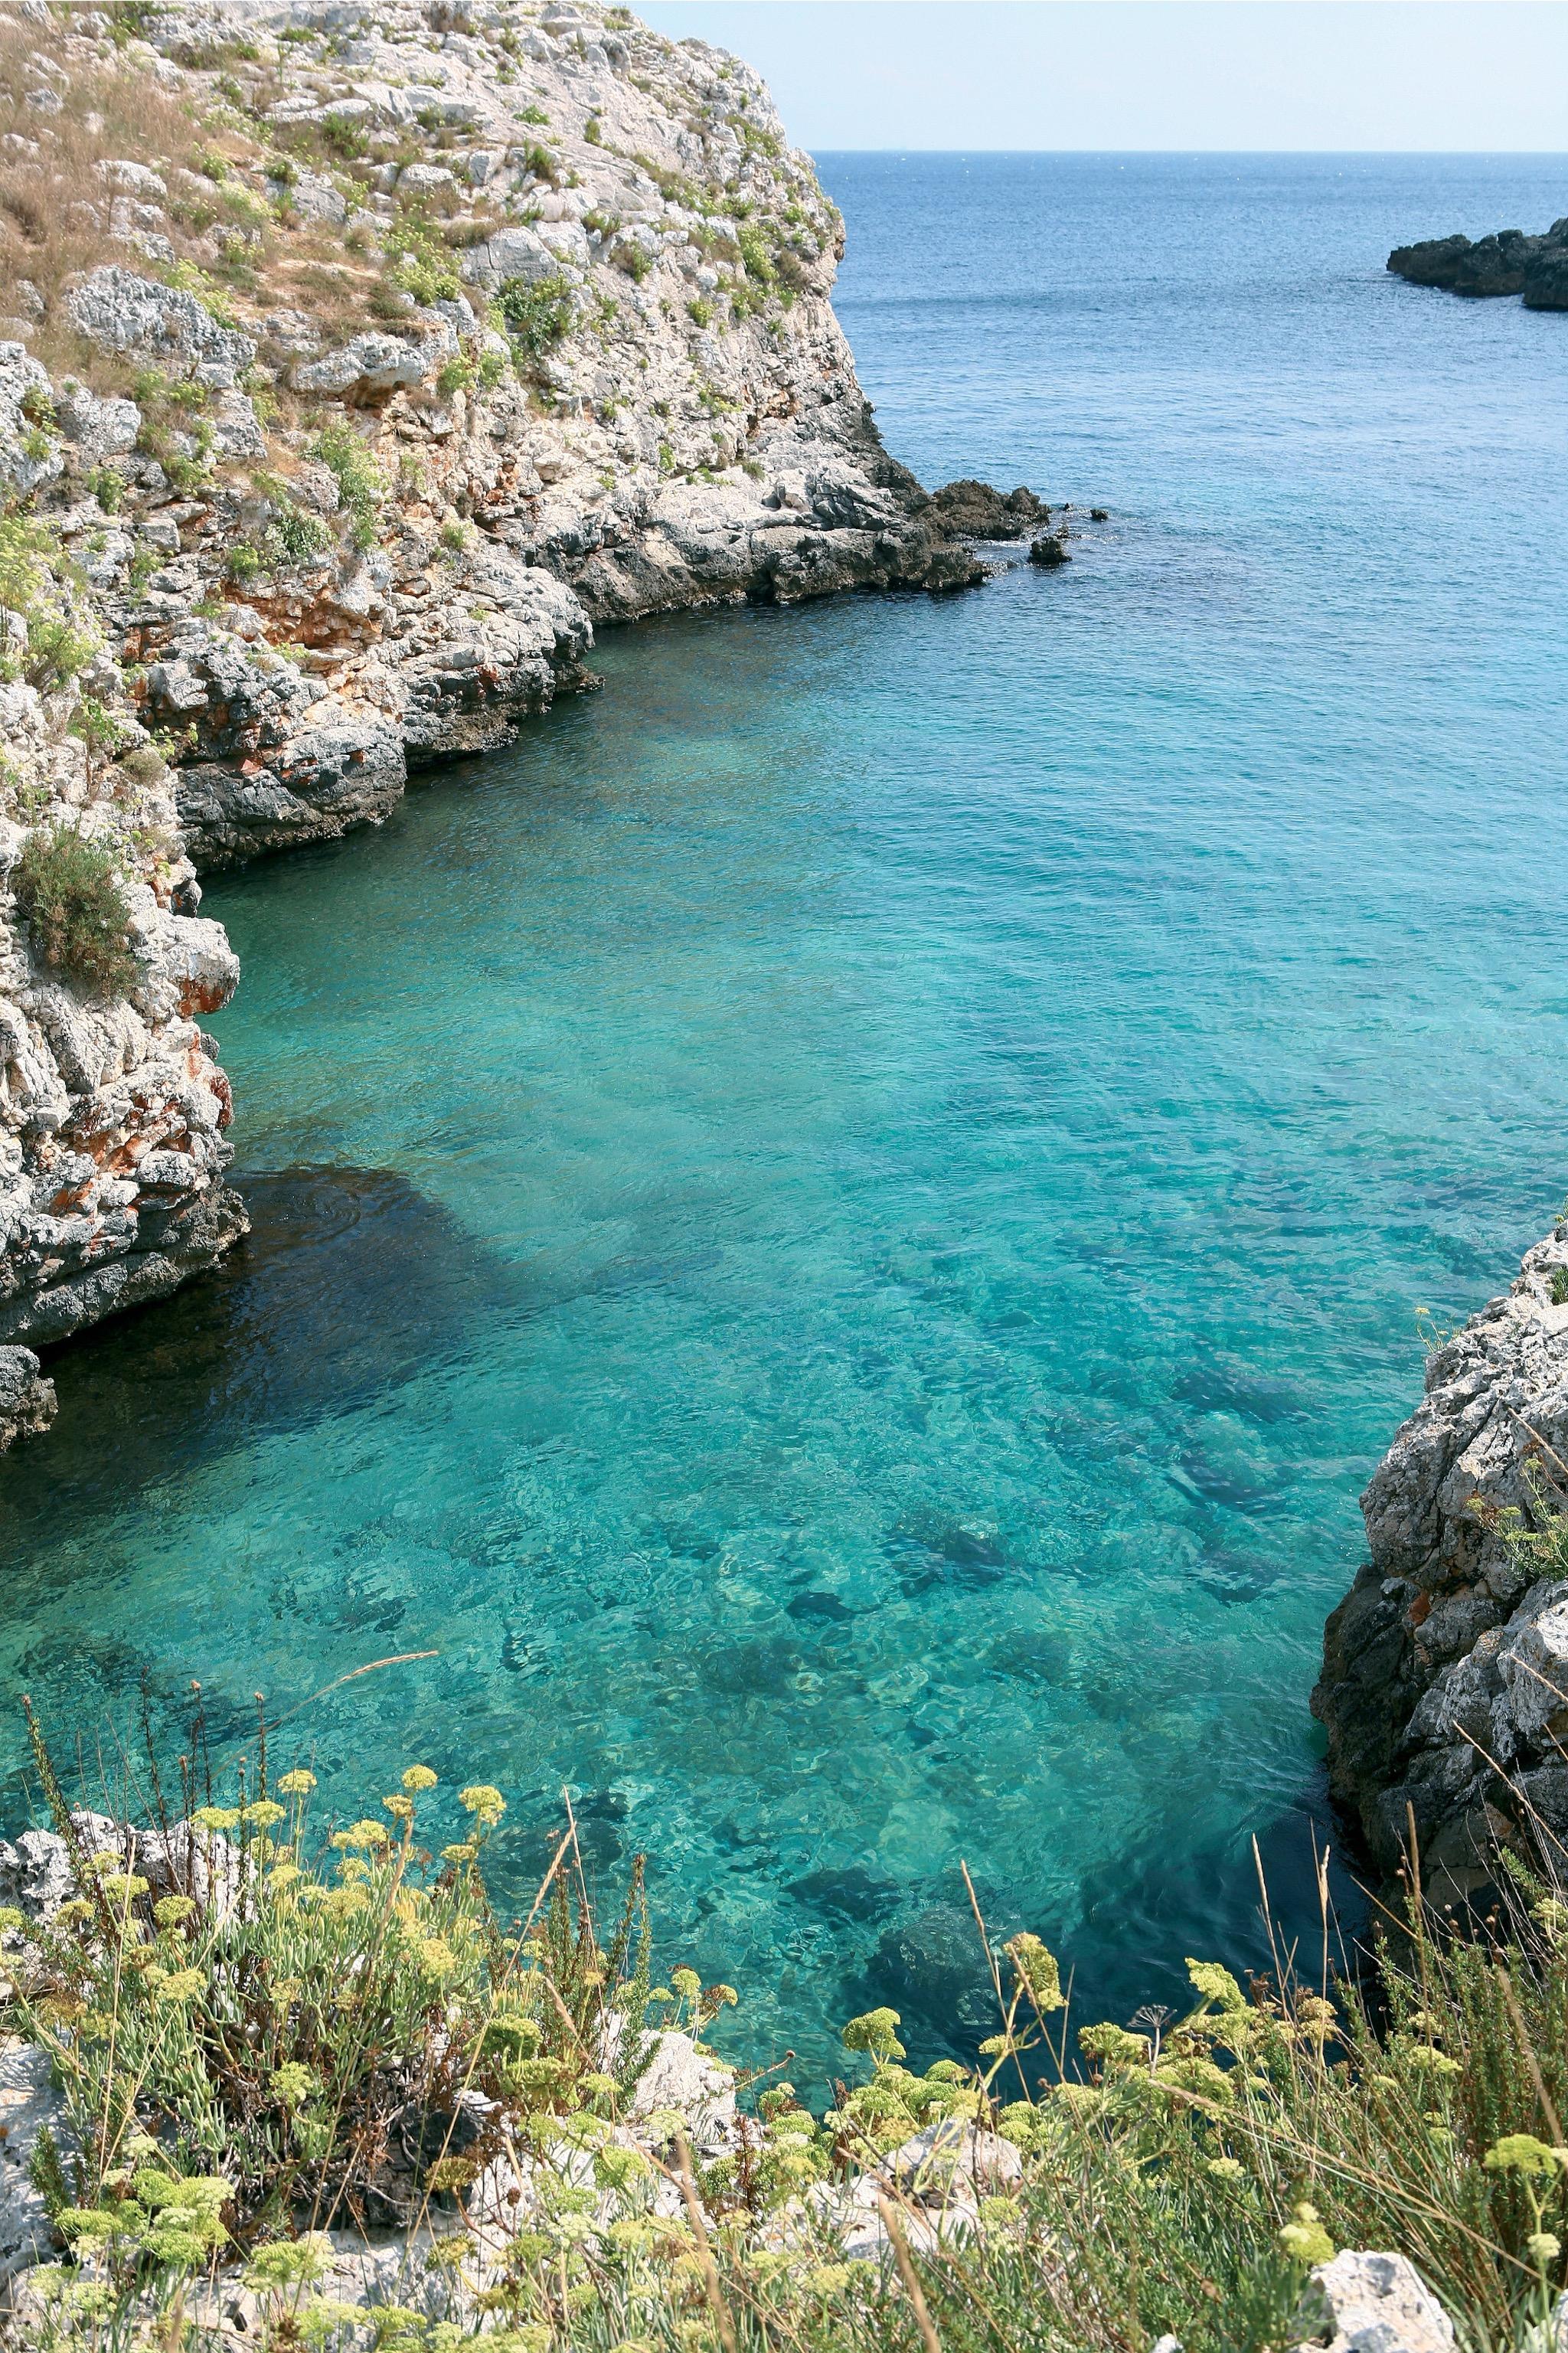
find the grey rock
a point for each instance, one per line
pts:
(30, 2104)
(1446, 1667)
(952, 2158)
(975, 510)
(678, 2077)
(1371, 2304)
(101, 429)
(122, 312)
(369, 364)
(24, 381)
(1507, 262)
(1546, 278)
(27, 1401)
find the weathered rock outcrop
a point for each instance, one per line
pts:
(362, 359)
(1507, 262)
(1444, 1682)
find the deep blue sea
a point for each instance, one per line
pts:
(837, 1231)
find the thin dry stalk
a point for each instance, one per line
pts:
(717, 2305)
(910, 2277)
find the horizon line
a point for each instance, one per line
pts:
(1433, 154)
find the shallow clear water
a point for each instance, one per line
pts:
(866, 1189)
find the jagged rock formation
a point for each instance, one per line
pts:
(1507, 262)
(362, 359)
(1444, 1682)
(27, 1401)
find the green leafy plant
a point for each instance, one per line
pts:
(362, 486)
(68, 894)
(100, 729)
(536, 315)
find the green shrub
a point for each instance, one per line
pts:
(100, 729)
(108, 488)
(419, 266)
(68, 894)
(633, 258)
(594, 132)
(362, 486)
(294, 534)
(700, 313)
(755, 253)
(535, 314)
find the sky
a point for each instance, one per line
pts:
(1485, 76)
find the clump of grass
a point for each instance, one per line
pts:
(69, 897)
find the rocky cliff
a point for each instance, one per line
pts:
(1445, 1683)
(362, 358)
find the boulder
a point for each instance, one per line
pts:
(1049, 550)
(1371, 2304)
(1546, 279)
(29, 454)
(98, 429)
(1507, 262)
(366, 367)
(27, 1400)
(1495, 265)
(29, 2105)
(122, 312)
(1432, 262)
(974, 510)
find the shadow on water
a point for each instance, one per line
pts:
(350, 1282)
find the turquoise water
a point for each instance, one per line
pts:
(839, 1229)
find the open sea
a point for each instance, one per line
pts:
(838, 1231)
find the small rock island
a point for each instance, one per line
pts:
(1505, 262)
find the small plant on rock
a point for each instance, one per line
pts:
(68, 894)
(536, 315)
(362, 486)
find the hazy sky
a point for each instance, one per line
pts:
(1484, 75)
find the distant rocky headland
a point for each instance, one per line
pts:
(1507, 262)
(359, 361)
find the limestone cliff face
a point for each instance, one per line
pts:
(362, 359)
(1445, 1683)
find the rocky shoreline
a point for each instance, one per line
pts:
(375, 359)
(1445, 1683)
(1505, 262)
